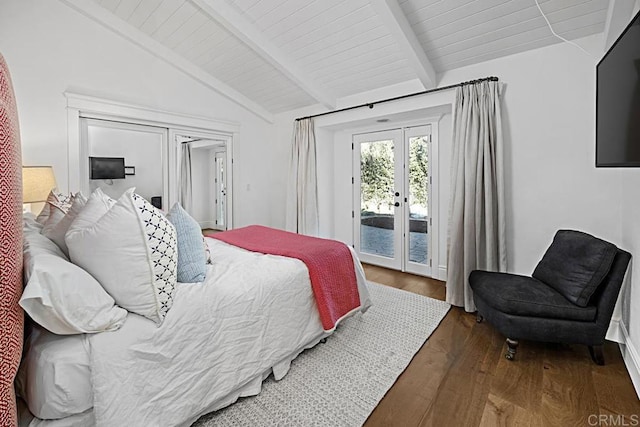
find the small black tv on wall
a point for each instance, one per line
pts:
(618, 101)
(106, 167)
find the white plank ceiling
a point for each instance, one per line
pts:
(303, 52)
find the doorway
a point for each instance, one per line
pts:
(393, 212)
(204, 168)
(219, 172)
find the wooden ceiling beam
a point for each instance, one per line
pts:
(396, 22)
(619, 15)
(234, 22)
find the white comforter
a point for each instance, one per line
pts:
(253, 314)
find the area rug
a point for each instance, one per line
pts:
(340, 382)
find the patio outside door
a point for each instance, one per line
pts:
(391, 199)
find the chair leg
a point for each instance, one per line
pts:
(596, 354)
(479, 317)
(512, 345)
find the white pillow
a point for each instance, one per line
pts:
(56, 229)
(29, 223)
(132, 251)
(97, 205)
(62, 297)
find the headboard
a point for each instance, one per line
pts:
(11, 315)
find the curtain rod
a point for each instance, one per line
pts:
(424, 92)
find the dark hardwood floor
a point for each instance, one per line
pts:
(460, 377)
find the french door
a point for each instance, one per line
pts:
(220, 189)
(392, 208)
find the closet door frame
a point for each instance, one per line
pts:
(175, 157)
(83, 106)
(125, 126)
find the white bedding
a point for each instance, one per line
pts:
(252, 316)
(54, 376)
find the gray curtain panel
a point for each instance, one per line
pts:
(302, 190)
(186, 196)
(477, 208)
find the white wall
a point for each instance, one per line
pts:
(630, 240)
(50, 48)
(551, 180)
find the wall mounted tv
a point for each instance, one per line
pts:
(618, 101)
(106, 167)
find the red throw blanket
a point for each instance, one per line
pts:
(330, 265)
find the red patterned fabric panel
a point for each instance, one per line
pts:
(11, 315)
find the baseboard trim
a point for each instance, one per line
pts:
(614, 333)
(631, 358)
(207, 224)
(442, 273)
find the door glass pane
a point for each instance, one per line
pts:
(376, 198)
(418, 199)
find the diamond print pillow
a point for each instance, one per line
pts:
(132, 251)
(55, 229)
(60, 200)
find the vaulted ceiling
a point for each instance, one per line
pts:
(279, 55)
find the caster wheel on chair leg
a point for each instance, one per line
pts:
(512, 345)
(479, 318)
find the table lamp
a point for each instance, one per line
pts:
(37, 182)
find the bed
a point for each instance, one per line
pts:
(221, 338)
(257, 312)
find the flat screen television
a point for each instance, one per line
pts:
(106, 167)
(618, 101)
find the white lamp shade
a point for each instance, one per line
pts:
(37, 182)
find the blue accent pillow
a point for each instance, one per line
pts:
(192, 263)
